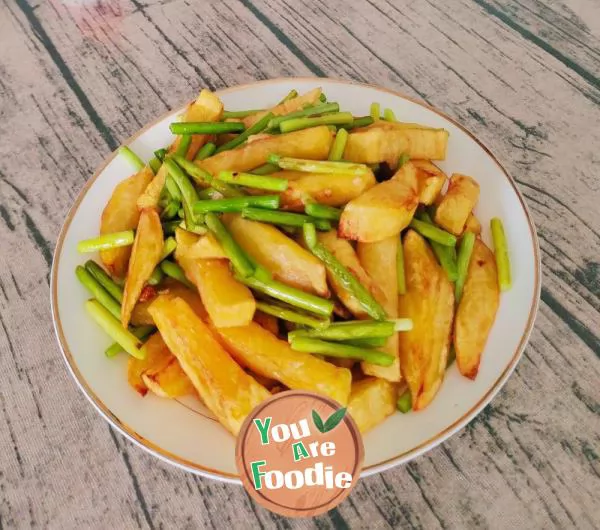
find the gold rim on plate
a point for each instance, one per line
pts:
(193, 467)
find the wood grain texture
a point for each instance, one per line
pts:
(77, 78)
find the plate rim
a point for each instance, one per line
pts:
(166, 456)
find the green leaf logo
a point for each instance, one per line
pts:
(317, 420)
(332, 422)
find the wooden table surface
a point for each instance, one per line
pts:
(78, 77)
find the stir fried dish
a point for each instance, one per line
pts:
(295, 247)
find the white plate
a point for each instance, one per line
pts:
(181, 433)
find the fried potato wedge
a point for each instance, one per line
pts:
(440, 343)
(145, 255)
(151, 195)
(169, 382)
(159, 372)
(228, 302)
(429, 302)
(142, 317)
(208, 247)
(346, 255)
(453, 210)
(121, 213)
(385, 142)
(473, 225)
(189, 268)
(430, 180)
(379, 261)
(292, 105)
(207, 108)
(193, 246)
(228, 392)
(185, 242)
(262, 352)
(384, 210)
(476, 310)
(311, 143)
(157, 355)
(371, 401)
(284, 258)
(332, 190)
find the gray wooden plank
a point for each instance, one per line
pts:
(557, 30)
(85, 76)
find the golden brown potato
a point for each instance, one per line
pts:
(440, 343)
(156, 353)
(385, 142)
(346, 255)
(379, 261)
(284, 258)
(311, 143)
(430, 180)
(258, 137)
(145, 256)
(476, 310)
(292, 105)
(228, 302)
(151, 195)
(170, 381)
(121, 213)
(141, 316)
(208, 247)
(207, 108)
(228, 392)
(193, 246)
(429, 302)
(384, 210)
(332, 190)
(265, 354)
(473, 225)
(453, 210)
(185, 242)
(159, 371)
(371, 401)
